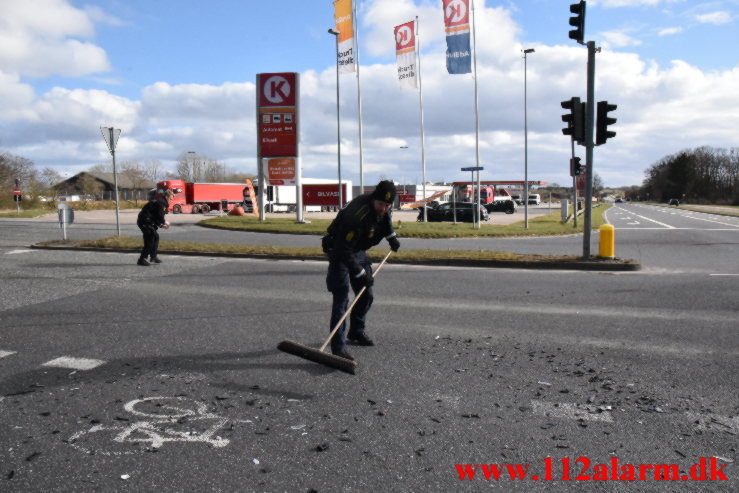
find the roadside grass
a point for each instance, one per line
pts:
(24, 213)
(546, 225)
(124, 243)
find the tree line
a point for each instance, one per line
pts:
(47, 185)
(701, 175)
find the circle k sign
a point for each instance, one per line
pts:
(404, 36)
(277, 89)
(456, 12)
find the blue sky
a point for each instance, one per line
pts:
(178, 75)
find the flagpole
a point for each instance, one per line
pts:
(420, 104)
(359, 97)
(476, 210)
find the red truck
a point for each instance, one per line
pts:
(202, 198)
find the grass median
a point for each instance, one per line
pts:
(481, 258)
(427, 257)
(546, 225)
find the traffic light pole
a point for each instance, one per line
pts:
(589, 120)
(574, 185)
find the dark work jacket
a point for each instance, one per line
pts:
(152, 214)
(358, 227)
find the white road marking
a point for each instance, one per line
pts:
(714, 422)
(13, 252)
(568, 410)
(164, 424)
(675, 229)
(635, 222)
(74, 363)
(3, 354)
(723, 274)
(652, 220)
(712, 221)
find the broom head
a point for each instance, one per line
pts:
(317, 356)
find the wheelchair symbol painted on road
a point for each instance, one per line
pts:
(166, 419)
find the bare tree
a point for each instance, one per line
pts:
(189, 166)
(14, 168)
(47, 182)
(101, 168)
(193, 167)
(152, 168)
(135, 173)
(597, 183)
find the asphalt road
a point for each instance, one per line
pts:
(115, 377)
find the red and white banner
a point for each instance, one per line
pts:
(345, 27)
(405, 54)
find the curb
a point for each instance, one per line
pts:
(603, 265)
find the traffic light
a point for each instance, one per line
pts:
(602, 133)
(578, 21)
(575, 120)
(575, 167)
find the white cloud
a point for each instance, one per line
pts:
(618, 39)
(669, 31)
(38, 39)
(660, 110)
(719, 17)
(630, 3)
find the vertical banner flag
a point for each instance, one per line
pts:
(457, 27)
(345, 26)
(405, 54)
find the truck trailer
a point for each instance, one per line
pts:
(194, 198)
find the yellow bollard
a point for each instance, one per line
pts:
(607, 241)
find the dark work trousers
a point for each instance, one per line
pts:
(151, 241)
(338, 281)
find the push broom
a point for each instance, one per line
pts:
(319, 355)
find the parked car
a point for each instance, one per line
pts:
(446, 210)
(517, 198)
(534, 199)
(674, 202)
(508, 206)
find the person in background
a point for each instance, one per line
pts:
(359, 226)
(150, 219)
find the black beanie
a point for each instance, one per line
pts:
(385, 191)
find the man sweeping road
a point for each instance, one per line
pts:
(359, 226)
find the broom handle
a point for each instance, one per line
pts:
(351, 307)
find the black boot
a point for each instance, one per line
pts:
(156, 260)
(359, 338)
(143, 261)
(343, 353)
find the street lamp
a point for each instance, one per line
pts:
(525, 141)
(338, 119)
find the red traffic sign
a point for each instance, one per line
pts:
(16, 191)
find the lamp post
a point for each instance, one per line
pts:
(335, 33)
(525, 141)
